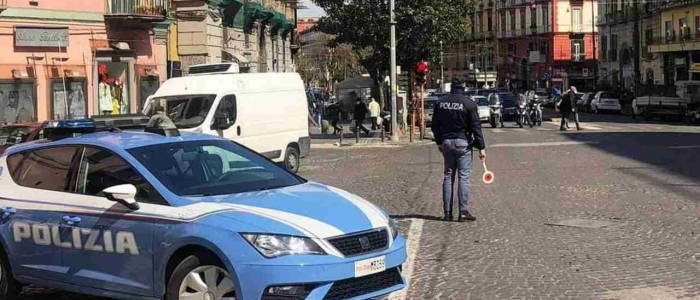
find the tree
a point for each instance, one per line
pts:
(421, 25)
(322, 64)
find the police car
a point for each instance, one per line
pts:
(151, 214)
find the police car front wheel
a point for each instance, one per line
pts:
(9, 288)
(200, 277)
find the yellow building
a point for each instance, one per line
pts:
(678, 40)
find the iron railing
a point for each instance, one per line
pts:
(139, 7)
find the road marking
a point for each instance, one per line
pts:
(544, 129)
(682, 147)
(591, 127)
(413, 244)
(516, 145)
(496, 130)
(520, 130)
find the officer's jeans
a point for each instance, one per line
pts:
(457, 160)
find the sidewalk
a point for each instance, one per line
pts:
(331, 141)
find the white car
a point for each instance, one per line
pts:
(483, 103)
(606, 101)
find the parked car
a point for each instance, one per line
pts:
(542, 95)
(606, 101)
(19, 133)
(583, 103)
(429, 107)
(509, 101)
(483, 104)
(679, 106)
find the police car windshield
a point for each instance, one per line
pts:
(185, 111)
(210, 168)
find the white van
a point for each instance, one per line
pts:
(266, 112)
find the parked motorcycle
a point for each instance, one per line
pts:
(534, 112)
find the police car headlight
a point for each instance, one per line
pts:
(272, 246)
(393, 228)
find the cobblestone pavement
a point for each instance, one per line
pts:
(643, 177)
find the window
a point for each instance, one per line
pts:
(697, 26)
(489, 21)
(577, 50)
(533, 17)
(17, 102)
(512, 21)
(648, 40)
(100, 169)
(522, 19)
(670, 34)
(227, 107)
(46, 169)
(214, 167)
(544, 48)
(545, 18)
(11, 135)
(68, 103)
(576, 20)
(604, 47)
(683, 29)
(613, 47)
(503, 22)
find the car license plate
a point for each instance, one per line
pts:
(370, 266)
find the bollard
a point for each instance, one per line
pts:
(341, 136)
(357, 133)
(381, 127)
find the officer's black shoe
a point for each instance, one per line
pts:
(448, 217)
(466, 216)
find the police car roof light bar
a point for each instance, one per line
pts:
(130, 121)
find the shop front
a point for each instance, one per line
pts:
(17, 95)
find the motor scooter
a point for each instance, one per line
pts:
(495, 114)
(534, 111)
(521, 112)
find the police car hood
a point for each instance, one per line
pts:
(309, 209)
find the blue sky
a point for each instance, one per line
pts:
(311, 11)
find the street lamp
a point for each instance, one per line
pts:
(442, 69)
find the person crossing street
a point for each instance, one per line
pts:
(374, 111)
(457, 129)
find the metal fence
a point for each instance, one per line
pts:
(138, 7)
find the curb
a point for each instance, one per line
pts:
(367, 145)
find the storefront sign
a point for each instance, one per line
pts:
(695, 67)
(41, 37)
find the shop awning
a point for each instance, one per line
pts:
(266, 15)
(229, 10)
(240, 58)
(287, 28)
(251, 10)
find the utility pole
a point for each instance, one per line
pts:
(394, 87)
(595, 59)
(636, 40)
(442, 69)
(495, 40)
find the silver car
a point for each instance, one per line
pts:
(483, 104)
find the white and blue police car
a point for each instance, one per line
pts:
(151, 214)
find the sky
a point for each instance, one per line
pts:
(311, 11)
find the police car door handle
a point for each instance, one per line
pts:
(70, 220)
(7, 212)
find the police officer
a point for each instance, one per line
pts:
(457, 129)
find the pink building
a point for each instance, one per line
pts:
(77, 58)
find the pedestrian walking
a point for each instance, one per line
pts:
(568, 109)
(335, 112)
(374, 111)
(359, 115)
(457, 129)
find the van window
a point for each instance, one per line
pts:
(228, 106)
(185, 111)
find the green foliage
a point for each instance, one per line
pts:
(421, 25)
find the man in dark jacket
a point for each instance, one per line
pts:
(457, 128)
(359, 115)
(568, 109)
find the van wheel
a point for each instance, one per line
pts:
(291, 160)
(200, 276)
(9, 288)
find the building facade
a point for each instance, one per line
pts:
(257, 34)
(529, 44)
(62, 55)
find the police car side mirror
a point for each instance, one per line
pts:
(124, 194)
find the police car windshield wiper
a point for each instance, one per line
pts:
(200, 195)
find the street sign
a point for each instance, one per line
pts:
(546, 76)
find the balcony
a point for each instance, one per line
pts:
(672, 42)
(151, 10)
(578, 57)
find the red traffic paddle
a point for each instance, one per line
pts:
(488, 175)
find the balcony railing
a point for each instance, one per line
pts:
(143, 8)
(578, 57)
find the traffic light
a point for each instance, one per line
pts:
(421, 73)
